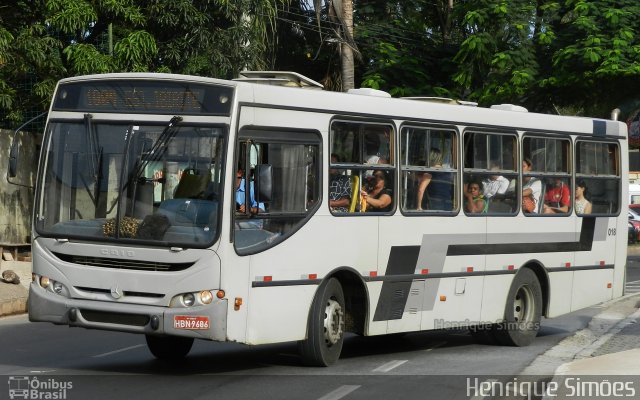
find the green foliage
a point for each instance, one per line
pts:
(595, 61)
(399, 53)
(549, 55)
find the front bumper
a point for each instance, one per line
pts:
(45, 306)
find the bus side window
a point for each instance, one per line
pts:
(429, 173)
(548, 160)
(360, 152)
(597, 177)
(295, 186)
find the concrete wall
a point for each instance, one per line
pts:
(16, 202)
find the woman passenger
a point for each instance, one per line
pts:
(583, 206)
(438, 185)
(379, 197)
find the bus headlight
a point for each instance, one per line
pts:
(50, 285)
(206, 297)
(191, 299)
(188, 299)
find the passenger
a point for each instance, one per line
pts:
(255, 207)
(495, 184)
(531, 189)
(583, 206)
(378, 198)
(339, 188)
(475, 201)
(557, 198)
(437, 184)
(373, 159)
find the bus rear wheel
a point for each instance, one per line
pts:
(325, 331)
(523, 311)
(170, 348)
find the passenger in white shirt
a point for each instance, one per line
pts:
(496, 184)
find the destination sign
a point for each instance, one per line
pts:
(147, 97)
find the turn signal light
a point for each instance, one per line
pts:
(220, 294)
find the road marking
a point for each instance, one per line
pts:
(118, 351)
(41, 372)
(339, 392)
(485, 384)
(390, 365)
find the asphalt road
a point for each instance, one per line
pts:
(108, 365)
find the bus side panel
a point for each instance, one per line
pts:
(596, 285)
(590, 287)
(418, 246)
(401, 299)
(279, 311)
(276, 314)
(494, 297)
(560, 290)
(457, 304)
(375, 327)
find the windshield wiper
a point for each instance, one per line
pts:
(156, 151)
(95, 157)
(158, 148)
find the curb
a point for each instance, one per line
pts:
(13, 306)
(585, 342)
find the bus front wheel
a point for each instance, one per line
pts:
(523, 311)
(169, 348)
(325, 331)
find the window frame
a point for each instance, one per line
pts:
(600, 177)
(411, 168)
(543, 175)
(274, 135)
(486, 172)
(361, 167)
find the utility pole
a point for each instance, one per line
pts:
(345, 48)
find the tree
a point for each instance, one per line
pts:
(593, 52)
(406, 46)
(497, 57)
(580, 56)
(44, 41)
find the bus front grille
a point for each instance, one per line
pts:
(123, 264)
(125, 293)
(115, 318)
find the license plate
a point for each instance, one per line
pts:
(190, 322)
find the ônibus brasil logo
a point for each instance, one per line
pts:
(34, 388)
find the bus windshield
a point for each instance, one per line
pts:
(133, 181)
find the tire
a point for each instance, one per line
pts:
(523, 311)
(484, 334)
(170, 348)
(325, 330)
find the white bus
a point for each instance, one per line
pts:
(251, 211)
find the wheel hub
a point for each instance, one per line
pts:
(333, 322)
(522, 305)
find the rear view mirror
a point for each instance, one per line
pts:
(264, 182)
(12, 170)
(23, 154)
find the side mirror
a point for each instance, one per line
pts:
(12, 171)
(23, 157)
(264, 181)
